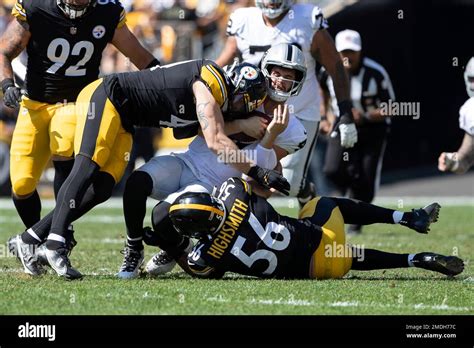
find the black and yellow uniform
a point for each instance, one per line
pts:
(65, 56)
(255, 240)
(108, 109)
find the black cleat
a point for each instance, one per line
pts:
(448, 265)
(132, 261)
(59, 262)
(422, 218)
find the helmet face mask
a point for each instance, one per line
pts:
(249, 88)
(75, 8)
(273, 8)
(469, 77)
(197, 215)
(286, 56)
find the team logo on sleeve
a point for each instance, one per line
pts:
(98, 32)
(249, 73)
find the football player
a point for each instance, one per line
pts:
(460, 161)
(107, 111)
(64, 40)
(281, 21)
(240, 232)
(199, 169)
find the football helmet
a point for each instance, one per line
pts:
(248, 88)
(75, 8)
(286, 56)
(469, 77)
(197, 214)
(273, 8)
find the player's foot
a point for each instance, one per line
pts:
(422, 218)
(449, 265)
(354, 230)
(70, 244)
(132, 261)
(59, 262)
(162, 263)
(26, 254)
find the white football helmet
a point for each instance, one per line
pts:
(469, 77)
(287, 56)
(273, 8)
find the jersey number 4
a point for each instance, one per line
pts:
(59, 50)
(279, 242)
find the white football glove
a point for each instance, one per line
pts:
(348, 134)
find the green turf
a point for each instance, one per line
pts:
(101, 236)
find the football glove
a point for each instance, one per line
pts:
(11, 93)
(345, 126)
(270, 179)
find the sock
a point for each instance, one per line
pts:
(360, 213)
(397, 216)
(99, 191)
(30, 237)
(376, 259)
(410, 260)
(29, 209)
(55, 241)
(137, 189)
(407, 218)
(61, 172)
(70, 195)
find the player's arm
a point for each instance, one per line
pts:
(12, 42)
(324, 51)
(458, 162)
(229, 52)
(130, 47)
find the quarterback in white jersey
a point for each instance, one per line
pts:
(460, 161)
(253, 30)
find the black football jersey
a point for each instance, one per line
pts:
(163, 96)
(65, 54)
(255, 240)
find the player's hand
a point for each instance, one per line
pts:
(347, 130)
(270, 178)
(448, 162)
(325, 126)
(280, 120)
(11, 94)
(254, 126)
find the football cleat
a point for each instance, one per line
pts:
(448, 265)
(70, 244)
(162, 263)
(132, 261)
(26, 254)
(59, 262)
(422, 218)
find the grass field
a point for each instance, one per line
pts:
(101, 236)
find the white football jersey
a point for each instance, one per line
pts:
(298, 26)
(466, 116)
(208, 168)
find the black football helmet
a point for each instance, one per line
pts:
(75, 8)
(197, 214)
(249, 88)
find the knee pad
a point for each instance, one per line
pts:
(23, 186)
(139, 183)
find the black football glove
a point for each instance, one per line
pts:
(11, 93)
(270, 178)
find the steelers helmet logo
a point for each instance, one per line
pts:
(249, 73)
(98, 32)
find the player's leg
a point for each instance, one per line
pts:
(157, 178)
(29, 154)
(98, 127)
(361, 213)
(369, 259)
(296, 165)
